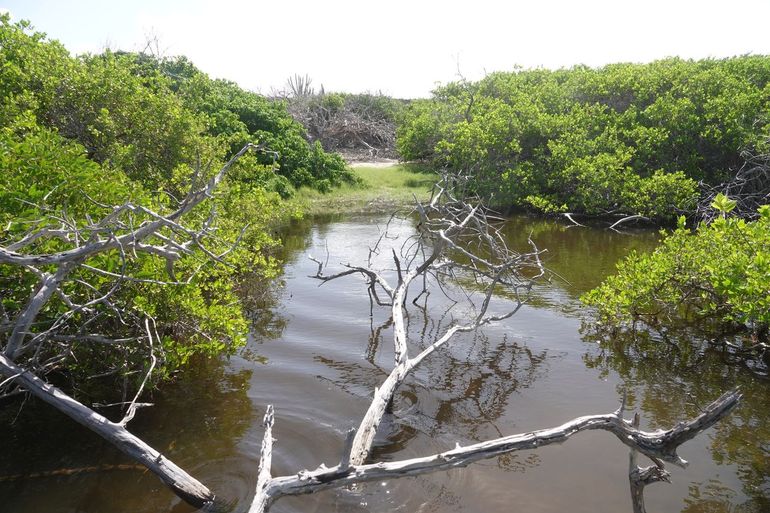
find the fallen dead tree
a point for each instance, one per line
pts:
(456, 240)
(660, 446)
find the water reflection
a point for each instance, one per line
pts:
(530, 372)
(465, 387)
(579, 257)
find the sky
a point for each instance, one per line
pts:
(403, 48)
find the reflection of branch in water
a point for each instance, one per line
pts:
(431, 327)
(685, 343)
(73, 471)
(375, 338)
(261, 299)
(714, 496)
(513, 463)
(479, 386)
(355, 378)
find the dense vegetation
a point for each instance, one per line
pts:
(625, 138)
(716, 275)
(79, 135)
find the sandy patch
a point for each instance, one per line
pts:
(378, 163)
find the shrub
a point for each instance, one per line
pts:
(720, 271)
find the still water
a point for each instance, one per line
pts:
(316, 354)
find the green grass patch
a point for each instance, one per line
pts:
(379, 189)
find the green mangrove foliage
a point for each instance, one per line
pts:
(80, 135)
(625, 138)
(237, 117)
(717, 274)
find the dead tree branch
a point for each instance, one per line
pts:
(31, 347)
(749, 188)
(448, 226)
(180, 482)
(626, 219)
(639, 477)
(658, 445)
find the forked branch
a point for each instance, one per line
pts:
(453, 238)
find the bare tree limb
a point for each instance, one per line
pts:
(261, 499)
(131, 411)
(658, 445)
(749, 188)
(128, 240)
(23, 360)
(447, 226)
(635, 217)
(571, 219)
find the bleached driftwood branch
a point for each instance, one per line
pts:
(179, 481)
(639, 477)
(626, 219)
(658, 445)
(571, 219)
(265, 461)
(447, 228)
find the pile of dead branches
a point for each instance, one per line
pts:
(749, 188)
(358, 124)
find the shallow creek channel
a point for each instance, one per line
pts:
(317, 354)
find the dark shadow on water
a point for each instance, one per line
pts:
(196, 421)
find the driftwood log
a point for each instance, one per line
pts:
(179, 481)
(658, 445)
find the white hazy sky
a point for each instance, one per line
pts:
(403, 48)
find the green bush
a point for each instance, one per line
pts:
(54, 182)
(81, 135)
(721, 272)
(625, 138)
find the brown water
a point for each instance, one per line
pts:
(317, 354)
